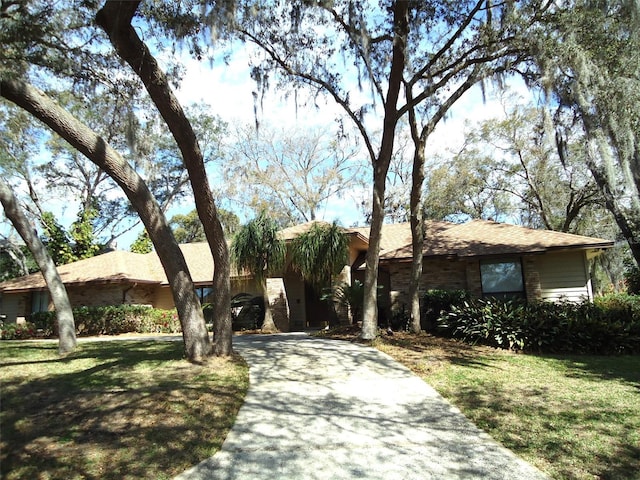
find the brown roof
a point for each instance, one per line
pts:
(479, 238)
(475, 238)
(120, 266)
(290, 233)
(110, 267)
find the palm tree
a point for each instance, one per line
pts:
(319, 254)
(257, 248)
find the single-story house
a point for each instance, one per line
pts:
(484, 257)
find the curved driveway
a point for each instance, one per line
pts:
(326, 409)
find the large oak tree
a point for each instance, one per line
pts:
(115, 18)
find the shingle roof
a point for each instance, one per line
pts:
(475, 238)
(109, 267)
(478, 238)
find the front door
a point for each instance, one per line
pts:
(318, 311)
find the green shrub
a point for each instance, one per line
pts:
(112, 320)
(632, 277)
(15, 331)
(160, 321)
(611, 325)
(435, 302)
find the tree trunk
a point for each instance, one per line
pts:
(96, 149)
(417, 181)
(380, 169)
(627, 216)
(115, 18)
(628, 222)
(417, 235)
(268, 326)
(66, 325)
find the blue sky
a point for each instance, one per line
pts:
(228, 88)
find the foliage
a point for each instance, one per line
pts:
(589, 62)
(76, 244)
(56, 240)
(17, 331)
(188, 228)
(257, 247)
(142, 243)
(436, 301)
(320, 253)
(632, 277)
(610, 325)
(111, 320)
(350, 297)
(400, 320)
(15, 259)
(510, 166)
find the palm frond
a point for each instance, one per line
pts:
(257, 248)
(320, 253)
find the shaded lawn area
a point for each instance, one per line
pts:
(112, 410)
(574, 417)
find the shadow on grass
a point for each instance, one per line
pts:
(134, 411)
(624, 367)
(575, 440)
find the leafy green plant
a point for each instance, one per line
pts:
(347, 296)
(112, 320)
(435, 302)
(17, 331)
(608, 326)
(632, 277)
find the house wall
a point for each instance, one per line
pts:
(117, 294)
(14, 307)
(531, 274)
(552, 276)
(163, 298)
(436, 274)
(278, 301)
(564, 276)
(17, 306)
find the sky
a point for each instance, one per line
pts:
(228, 90)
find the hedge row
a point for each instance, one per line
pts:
(109, 320)
(609, 325)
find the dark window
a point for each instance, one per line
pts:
(39, 301)
(502, 278)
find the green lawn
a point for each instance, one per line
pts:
(574, 417)
(112, 410)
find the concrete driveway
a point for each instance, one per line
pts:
(326, 409)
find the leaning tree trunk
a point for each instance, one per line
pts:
(64, 314)
(380, 169)
(626, 214)
(115, 18)
(96, 149)
(627, 219)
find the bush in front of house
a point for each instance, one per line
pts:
(436, 301)
(610, 325)
(111, 320)
(17, 331)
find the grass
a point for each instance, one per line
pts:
(112, 410)
(574, 417)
